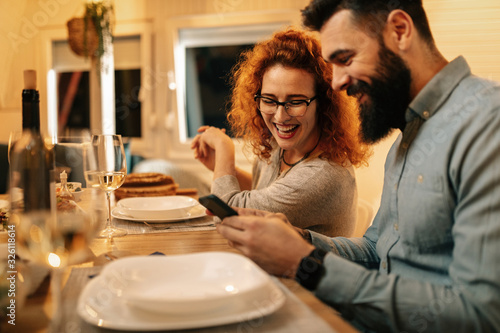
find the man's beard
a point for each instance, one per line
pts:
(388, 97)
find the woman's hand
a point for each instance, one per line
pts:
(208, 142)
(215, 149)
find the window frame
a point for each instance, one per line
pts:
(246, 23)
(141, 29)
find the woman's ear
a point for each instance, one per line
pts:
(399, 31)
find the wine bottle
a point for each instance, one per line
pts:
(31, 103)
(32, 160)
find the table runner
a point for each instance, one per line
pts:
(293, 317)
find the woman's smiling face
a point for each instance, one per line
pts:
(298, 135)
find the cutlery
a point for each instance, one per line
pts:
(110, 256)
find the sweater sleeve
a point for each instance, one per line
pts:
(319, 196)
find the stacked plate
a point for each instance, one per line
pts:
(158, 209)
(178, 292)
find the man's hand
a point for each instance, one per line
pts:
(266, 238)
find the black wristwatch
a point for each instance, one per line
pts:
(311, 269)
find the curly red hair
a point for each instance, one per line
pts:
(336, 116)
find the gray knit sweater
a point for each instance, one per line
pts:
(315, 194)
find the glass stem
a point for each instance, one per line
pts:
(108, 223)
(55, 288)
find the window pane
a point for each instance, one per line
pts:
(208, 93)
(74, 101)
(128, 106)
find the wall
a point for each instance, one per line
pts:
(21, 23)
(469, 28)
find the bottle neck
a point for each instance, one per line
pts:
(31, 110)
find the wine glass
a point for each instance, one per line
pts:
(57, 233)
(112, 170)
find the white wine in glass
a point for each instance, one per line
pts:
(110, 181)
(111, 173)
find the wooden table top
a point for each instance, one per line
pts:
(32, 318)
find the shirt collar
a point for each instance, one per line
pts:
(437, 90)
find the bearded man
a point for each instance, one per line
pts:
(429, 262)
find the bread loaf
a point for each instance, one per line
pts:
(148, 184)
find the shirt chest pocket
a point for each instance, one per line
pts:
(424, 215)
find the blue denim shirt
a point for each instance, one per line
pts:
(431, 260)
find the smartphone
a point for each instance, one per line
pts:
(218, 207)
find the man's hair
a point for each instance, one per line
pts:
(369, 14)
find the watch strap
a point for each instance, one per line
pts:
(311, 269)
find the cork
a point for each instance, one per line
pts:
(30, 79)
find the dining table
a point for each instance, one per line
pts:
(301, 312)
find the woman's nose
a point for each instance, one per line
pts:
(281, 115)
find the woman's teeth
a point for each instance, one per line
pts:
(286, 129)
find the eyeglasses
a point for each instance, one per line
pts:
(294, 108)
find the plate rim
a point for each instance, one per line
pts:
(116, 214)
(164, 197)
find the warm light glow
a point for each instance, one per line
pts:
(107, 74)
(54, 260)
(180, 65)
(231, 289)
(171, 80)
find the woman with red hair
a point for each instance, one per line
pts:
(304, 134)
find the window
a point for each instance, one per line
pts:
(73, 92)
(73, 88)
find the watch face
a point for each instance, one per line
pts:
(311, 270)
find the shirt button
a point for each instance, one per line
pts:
(384, 265)
(396, 187)
(396, 226)
(405, 145)
(420, 179)
(426, 114)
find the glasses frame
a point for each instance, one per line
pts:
(285, 104)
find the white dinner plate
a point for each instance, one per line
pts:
(193, 213)
(105, 300)
(164, 207)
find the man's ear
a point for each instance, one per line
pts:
(399, 30)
